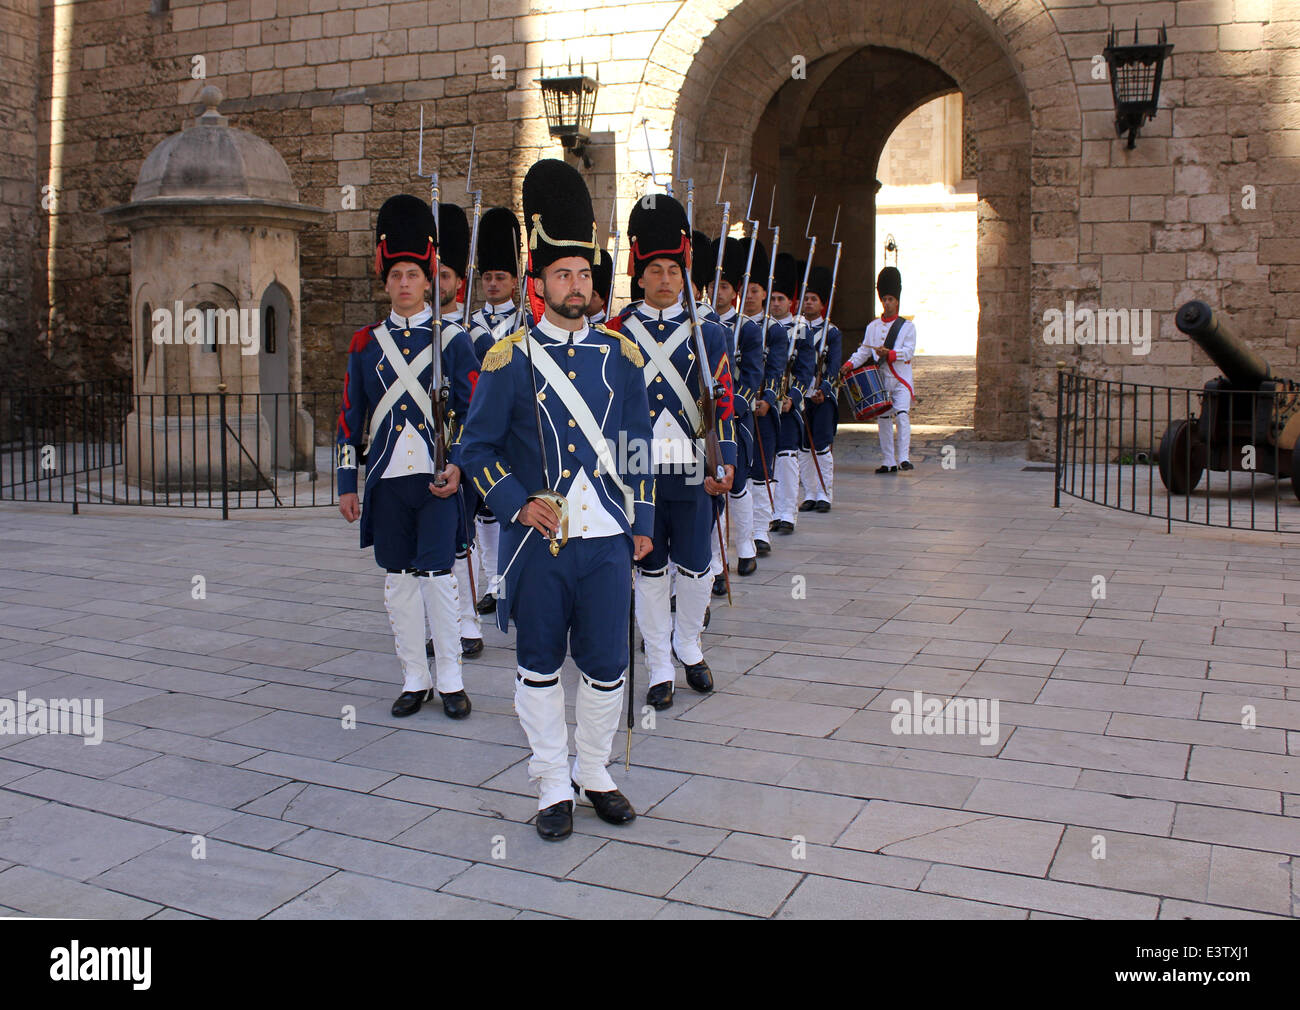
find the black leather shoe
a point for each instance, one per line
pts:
(409, 702)
(772, 526)
(699, 676)
(763, 548)
(886, 469)
(611, 807)
(487, 605)
(556, 821)
(428, 648)
(807, 506)
(782, 526)
(823, 506)
(906, 465)
(456, 704)
(660, 696)
(719, 585)
(470, 647)
(746, 566)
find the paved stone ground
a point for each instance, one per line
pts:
(784, 793)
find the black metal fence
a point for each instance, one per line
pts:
(1214, 456)
(98, 443)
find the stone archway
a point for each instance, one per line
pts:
(717, 65)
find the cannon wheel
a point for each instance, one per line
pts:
(1177, 475)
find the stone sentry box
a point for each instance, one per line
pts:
(214, 221)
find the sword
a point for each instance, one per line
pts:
(667, 184)
(438, 390)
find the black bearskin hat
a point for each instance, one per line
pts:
(558, 215)
(498, 241)
(657, 229)
(602, 272)
(453, 237)
(703, 263)
(890, 282)
(786, 278)
(404, 232)
(819, 282)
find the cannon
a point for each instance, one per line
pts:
(1245, 407)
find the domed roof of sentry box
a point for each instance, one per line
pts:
(211, 159)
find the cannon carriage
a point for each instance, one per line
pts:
(1249, 419)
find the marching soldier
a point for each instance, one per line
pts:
(767, 406)
(412, 514)
(747, 371)
(498, 267)
(676, 380)
(702, 270)
(453, 259)
(797, 377)
(550, 402)
(602, 273)
(821, 414)
(892, 340)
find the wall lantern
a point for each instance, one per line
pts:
(569, 102)
(1135, 72)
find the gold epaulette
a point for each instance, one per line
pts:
(628, 346)
(498, 355)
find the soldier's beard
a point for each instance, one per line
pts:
(567, 309)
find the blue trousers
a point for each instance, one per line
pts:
(412, 527)
(765, 430)
(824, 419)
(683, 522)
(579, 599)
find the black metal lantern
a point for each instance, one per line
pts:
(1135, 72)
(570, 102)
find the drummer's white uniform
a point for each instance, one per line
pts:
(898, 384)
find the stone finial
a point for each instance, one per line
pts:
(210, 97)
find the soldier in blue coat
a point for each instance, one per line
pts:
(769, 402)
(498, 268)
(745, 343)
(703, 267)
(602, 273)
(557, 443)
(821, 414)
(660, 326)
(798, 367)
(412, 513)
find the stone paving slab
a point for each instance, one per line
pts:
(786, 793)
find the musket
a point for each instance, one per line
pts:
(477, 194)
(825, 349)
(552, 497)
(767, 319)
(690, 184)
(722, 232)
(438, 389)
(800, 321)
(749, 265)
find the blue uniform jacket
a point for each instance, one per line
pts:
(683, 358)
(368, 377)
(499, 451)
(833, 345)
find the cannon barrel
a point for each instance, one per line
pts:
(1243, 368)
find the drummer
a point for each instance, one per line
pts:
(891, 340)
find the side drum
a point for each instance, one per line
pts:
(867, 396)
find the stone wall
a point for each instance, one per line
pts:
(19, 192)
(336, 87)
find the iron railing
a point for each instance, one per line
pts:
(99, 443)
(1210, 457)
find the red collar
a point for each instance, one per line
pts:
(888, 319)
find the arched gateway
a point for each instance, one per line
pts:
(718, 67)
